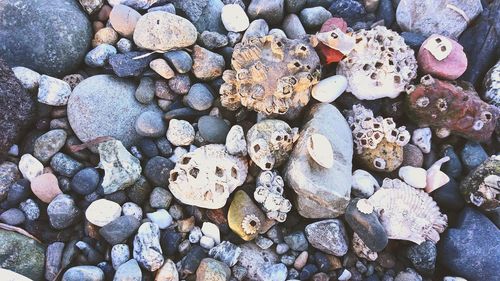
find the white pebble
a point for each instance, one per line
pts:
(30, 167)
(195, 235)
(161, 218)
(120, 254)
(416, 177)
(329, 89)
(14, 150)
(234, 18)
(29, 79)
(235, 141)
(53, 91)
(180, 132)
(178, 153)
(102, 212)
(211, 230)
(207, 242)
(422, 138)
(363, 184)
(346, 275)
(132, 209)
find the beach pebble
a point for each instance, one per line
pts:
(129, 270)
(236, 143)
(98, 57)
(64, 165)
(234, 18)
(85, 181)
(180, 132)
(329, 89)
(102, 212)
(328, 236)
(161, 67)
(30, 167)
(147, 249)
(45, 187)
(62, 211)
(416, 177)
(53, 91)
(207, 242)
(124, 45)
(442, 57)
(211, 269)
(132, 209)
(150, 124)
(29, 79)
(120, 229)
(422, 138)
(213, 40)
(123, 19)
(161, 218)
(83, 272)
(30, 209)
(106, 35)
(12, 217)
(363, 184)
(292, 27)
(213, 129)
(313, 18)
(160, 198)
(207, 65)
(180, 60)
(199, 97)
(145, 93)
(211, 230)
(272, 11)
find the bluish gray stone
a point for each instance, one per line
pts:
(272, 11)
(473, 155)
(350, 10)
(65, 165)
(297, 241)
(180, 60)
(199, 97)
(124, 65)
(99, 56)
(313, 18)
(213, 129)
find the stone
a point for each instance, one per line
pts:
(169, 8)
(45, 187)
(361, 250)
(160, 198)
(244, 217)
(12, 217)
(257, 28)
(407, 275)
(180, 84)
(147, 250)
(124, 45)
(129, 271)
(292, 27)
(161, 67)
(180, 60)
(83, 272)
(13, 191)
(350, 10)
(210, 17)
(276, 272)
(363, 184)
(168, 272)
(150, 124)
(120, 229)
(30, 167)
(213, 40)
(226, 252)
(423, 257)
(386, 12)
(236, 143)
(472, 155)
(271, 11)
(207, 65)
(442, 57)
(212, 270)
(316, 197)
(412, 156)
(329, 89)
(297, 241)
(121, 169)
(328, 236)
(64, 165)
(255, 259)
(414, 40)
(211, 230)
(106, 35)
(331, 55)
(8, 175)
(416, 177)
(313, 18)
(85, 181)
(422, 138)
(63, 212)
(199, 97)
(123, 19)
(301, 260)
(102, 212)
(29, 79)
(180, 132)
(207, 242)
(120, 254)
(491, 84)
(429, 17)
(30, 209)
(213, 129)
(192, 8)
(53, 260)
(132, 209)
(99, 56)
(234, 18)
(60, 46)
(448, 197)
(145, 93)
(192, 260)
(49, 144)
(162, 31)
(161, 218)
(130, 64)
(135, 4)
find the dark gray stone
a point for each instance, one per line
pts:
(473, 155)
(297, 241)
(157, 170)
(423, 257)
(294, 6)
(124, 65)
(213, 40)
(453, 167)
(12, 216)
(414, 40)
(350, 10)
(448, 196)
(180, 60)
(210, 18)
(120, 229)
(313, 18)
(328, 236)
(65, 165)
(272, 11)
(386, 12)
(85, 181)
(62, 211)
(213, 129)
(226, 252)
(192, 8)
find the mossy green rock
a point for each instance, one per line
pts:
(21, 254)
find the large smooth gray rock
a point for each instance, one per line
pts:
(322, 192)
(21, 254)
(104, 105)
(49, 36)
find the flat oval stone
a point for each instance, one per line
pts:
(45, 187)
(320, 149)
(329, 89)
(102, 212)
(162, 31)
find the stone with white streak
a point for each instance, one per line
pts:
(147, 249)
(30, 79)
(422, 138)
(363, 184)
(53, 91)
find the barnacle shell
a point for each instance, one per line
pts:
(481, 187)
(408, 213)
(320, 150)
(269, 194)
(271, 75)
(380, 65)
(250, 224)
(206, 176)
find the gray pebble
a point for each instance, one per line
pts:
(124, 45)
(297, 241)
(12, 217)
(180, 60)
(233, 38)
(270, 10)
(313, 18)
(150, 124)
(169, 8)
(160, 198)
(213, 40)
(62, 211)
(257, 28)
(294, 6)
(83, 272)
(98, 57)
(180, 84)
(199, 97)
(213, 129)
(473, 155)
(293, 27)
(145, 93)
(129, 271)
(65, 165)
(30, 209)
(120, 254)
(49, 144)
(263, 242)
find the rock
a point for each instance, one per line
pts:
(104, 105)
(12, 217)
(301, 260)
(161, 67)
(422, 138)
(423, 257)
(147, 250)
(30, 209)
(244, 217)
(53, 260)
(192, 8)
(17, 190)
(180, 132)
(316, 197)
(276, 272)
(211, 230)
(135, 4)
(120, 229)
(129, 271)
(150, 124)
(169, 8)
(313, 18)
(212, 270)
(234, 18)
(145, 93)
(132, 209)
(160, 198)
(386, 12)
(168, 272)
(120, 254)
(226, 252)
(85, 181)
(292, 27)
(480, 184)
(129, 65)
(162, 31)
(416, 177)
(408, 275)
(271, 11)
(106, 36)
(180, 60)
(99, 56)
(472, 155)
(207, 65)
(329, 89)
(62, 211)
(236, 143)
(21, 254)
(257, 28)
(8, 175)
(65, 165)
(363, 184)
(29, 79)
(49, 144)
(412, 156)
(294, 6)
(83, 272)
(328, 236)
(210, 18)
(60, 46)
(45, 187)
(161, 218)
(442, 57)
(199, 97)
(123, 19)
(329, 54)
(102, 212)
(350, 10)
(180, 84)
(297, 241)
(448, 197)
(414, 40)
(254, 260)
(213, 40)
(30, 167)
(429, 17)
(213, 129)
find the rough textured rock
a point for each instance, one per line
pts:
(62, 211)
(9, 173)
(254, 259)
(212, 270)
(17, 108)
(207, 65)
(61, 42)
(328, 236)
(147, 250)
(317, 197)
(491, 86)
(22, 254)
(481, 186)
(104, 105)
(120, 229)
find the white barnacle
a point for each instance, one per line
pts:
(423, 102)
(379, 163)
(443, 133)
(478, 125)
(364, 206)
(441, 104)
(250, 224)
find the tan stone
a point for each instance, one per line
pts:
(105, 35)
(124, 19)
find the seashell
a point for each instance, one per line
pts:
(320, 149)
(408, 213)
(250, 224)
(436, 178)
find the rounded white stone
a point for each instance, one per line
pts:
(30, 167)
(29, 79)
(161, 218)
(329, 89)
(207, 242)
(120, 254)
(180, 132)
(211, 230)
(102, 212)
(416, 177)
(195, 235)
(363, 184)
(234, 18)
(132, 209)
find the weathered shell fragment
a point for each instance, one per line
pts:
(379, 143)
(271, 75)
(320, 149)
(492, 85)
(482, 186)
(269, 193)
(270, 143)
(380, 65)
(206, 176)
(408, 213)
(436, 178)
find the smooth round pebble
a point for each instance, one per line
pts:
(132, 209)
(234, 18)
(213, 129)
(180, 132)
(102, 212)
(85, 181)
(329, 89)
(199, 97)
(45, 187)
(161, 217)
(180, 60)
(150, 124)
(98, 57)
(12, 217)
(30, 167)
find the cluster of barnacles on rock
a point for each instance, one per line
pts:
(269, 194)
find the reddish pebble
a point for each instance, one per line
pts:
(45, 187)
(328, 54)
(103, 14)
(123, 19)
(451, 67)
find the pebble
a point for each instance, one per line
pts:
(301, 260)
(423, 257)
(297, 241)
(212, 270)
(452, 66)
(123, 19)
(12, 217)
(180, 132)
(236, 143)
(351, 11)
(17, 191)
(213, 129)
(170, 241)
(282, 248)
(129, 271)
(416, 177)
(329, 89)
(147, 250)
(473, 155)
(366, 225)
(132, 209)
(328, 236)
(30, 209)
(211, 230)
(448, 197)
(62, 211)
(85, 181)
(386, 12)
(412, 156)
(422, 139)
(161, 218)
(120, 229)
(30, 167)
(178, 153)
(308, 271)
(234, 18)
(408, 275)
(213, 40)
(313, 18)
(292, 27)
(277, 272)
(125, 65)
(452, 168)
(99, 56)
(29, 79)
(199, 97)
(145, 93)
(180, 60)
(180, 84)
(102, 212)
(83, 272)
(195, 235)
(157, 170)
(120, 254)
(257, 28)
(64, 165)
(106, 35)
(53, 260)
(124, 45)
(8, 175)
(346, 275)
(161, 67)
(160, 198)
(53, 91)
(192, 260)
(225, 252)
(363, 184)
(45, 187)
(207, 65)
(263, 242)
(168, 272)
(207, 242)
(272, 11)
(150, 124)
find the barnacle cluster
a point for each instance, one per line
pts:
(377, 140)
(271, 75)
(380, 65)
(269, 194)
(482, 186)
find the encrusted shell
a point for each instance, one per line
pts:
(269, 194)
(271, 75)
(408, 213)
(320, 150)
